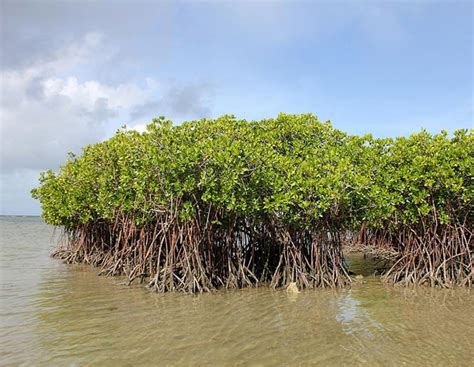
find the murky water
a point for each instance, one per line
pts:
(54, 314)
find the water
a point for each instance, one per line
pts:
(60, 315)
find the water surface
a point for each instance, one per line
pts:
(54, 314)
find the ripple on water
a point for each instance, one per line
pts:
(54, 314)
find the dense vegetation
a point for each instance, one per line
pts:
(234, 203)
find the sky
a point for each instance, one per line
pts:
(73, 72)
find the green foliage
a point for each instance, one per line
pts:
(293, 169)
(419, 178)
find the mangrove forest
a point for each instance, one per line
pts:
(231, 203)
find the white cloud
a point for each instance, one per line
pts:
(86, 94)
(46, 111)
(91, 45)
(49, 108)
(45, 114)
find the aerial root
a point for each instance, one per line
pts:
(194, 257)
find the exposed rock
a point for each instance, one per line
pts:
(292, 288)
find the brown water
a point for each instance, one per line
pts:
(58, 315)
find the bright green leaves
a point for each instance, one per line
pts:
(293, 168)
(421, 176)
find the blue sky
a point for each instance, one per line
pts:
(73, 72)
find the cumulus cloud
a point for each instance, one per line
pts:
(43, 116)
(49, 107)
(87, 94)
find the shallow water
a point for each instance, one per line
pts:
(55, 314)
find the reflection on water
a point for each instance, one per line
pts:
(54, 314)
(354, 318)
